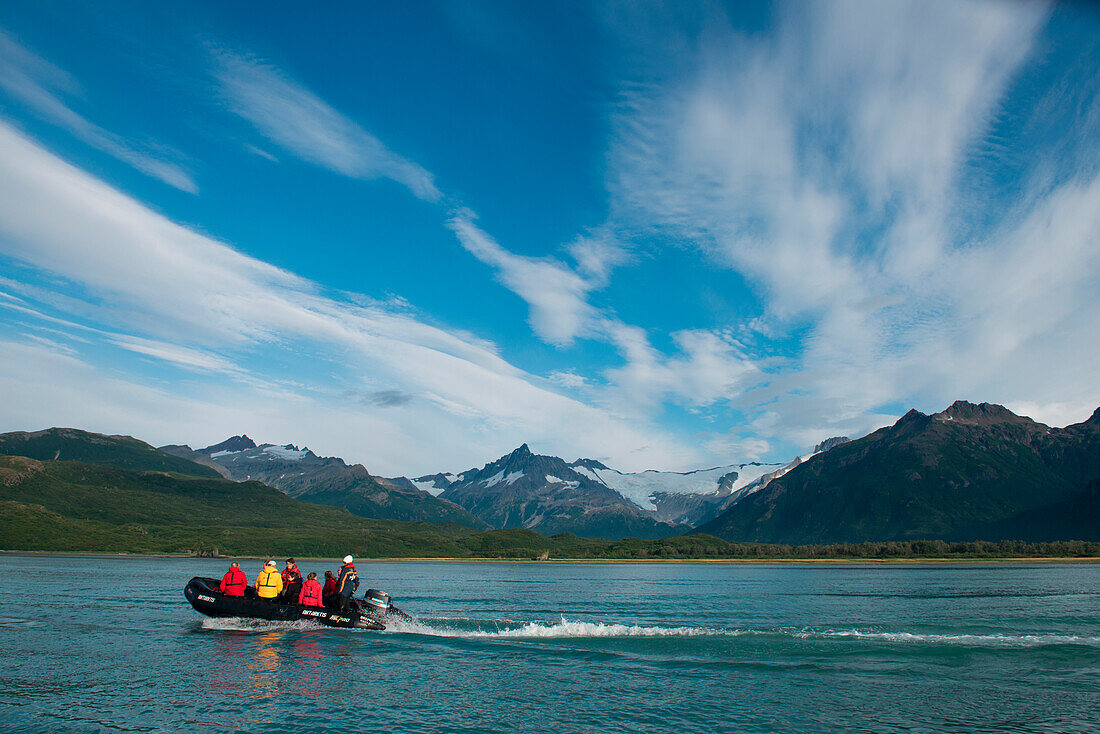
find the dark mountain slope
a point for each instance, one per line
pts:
(970, 472)
(122, 452)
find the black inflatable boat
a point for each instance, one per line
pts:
(372, 612)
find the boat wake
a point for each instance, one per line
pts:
(574, 629)
(543, 630)
(564, 629)
(995, 640)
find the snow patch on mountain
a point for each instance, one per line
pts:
(290, 452)
(435, 484)
(640, 487)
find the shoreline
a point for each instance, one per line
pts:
(1046, 560)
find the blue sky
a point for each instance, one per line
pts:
(417, 235)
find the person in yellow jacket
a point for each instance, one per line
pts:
(269, 584)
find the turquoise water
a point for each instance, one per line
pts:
(562, 648)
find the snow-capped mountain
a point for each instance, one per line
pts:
(326, 480)
(502, 493)
(545, 494)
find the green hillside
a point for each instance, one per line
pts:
(122, 452)
(69, 506)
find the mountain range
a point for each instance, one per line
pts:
(327, 480)
(519, 490)
(970, 472)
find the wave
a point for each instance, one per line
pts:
(17, 622)
(993, 640)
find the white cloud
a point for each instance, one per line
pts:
(169, 286)
(293, 117)
(555, 293)
(826, 162)
(708, 368)
(38, 84)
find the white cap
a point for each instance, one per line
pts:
(347, 559)
(270, 563)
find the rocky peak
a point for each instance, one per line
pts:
(914, 416)
(831, 443)
(982, 414)
(233, 443)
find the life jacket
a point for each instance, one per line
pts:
(290, 573)
(349, 580)
(310, 594)
(330, 587)
(233, 583)
(269, 584)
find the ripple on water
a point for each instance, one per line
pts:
(18, 622)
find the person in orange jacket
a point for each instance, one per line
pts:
(269, 584)
(310, 595)
(234, 581)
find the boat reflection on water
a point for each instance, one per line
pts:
(263, 679)
(268, 663)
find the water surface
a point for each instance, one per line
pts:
(90, 644)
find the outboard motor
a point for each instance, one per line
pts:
(377, 602)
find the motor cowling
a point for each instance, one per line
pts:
(377, 601)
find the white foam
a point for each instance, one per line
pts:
(542, 630)
(243, 624)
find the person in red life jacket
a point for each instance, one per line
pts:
(234, 582)
(346, 584)
(310, 595)
(292, 581)
(328, 593)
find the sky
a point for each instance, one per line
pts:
(662, 235)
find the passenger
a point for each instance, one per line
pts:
(346, 584)
(269, 584)
(234, 582)
(292, 581)
(328, 594)
(310, 596)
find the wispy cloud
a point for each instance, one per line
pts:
(707, 366)
(291, 116)
(556, 294)
(40, 85)
(168, 285)
(827, 162)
